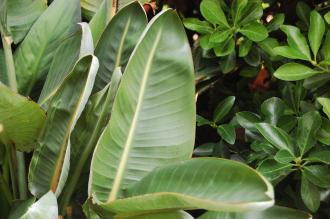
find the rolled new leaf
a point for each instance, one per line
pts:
(199, 183)
(118, 41)
(34, 55)
(50, 162)
(21, 119)
(153, 116)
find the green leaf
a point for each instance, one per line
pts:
(22, 15)
(273, 108)
(21, 119)
(275, 212)
(45, 207)
(220, 36)
(283, 156)
(194, 24)
(296, 40)
(318, 175)
(254, 31)
(303, 11)
(276, 22)
(124, 31)
(165, 215)
(274, 171)
(326, 47)
(227, 132)
(325, 102)
(223, 108)
(244, 47)
(33, 57)
(237, 7)
(50, 162)
(178, 186)
(276, 136)
(225, 48)
(294, 72)
(289, 52)
(248, 120)
(323, 134)
(64, 60)
(309, 194)
(327, 17)
(161, 103)
(319, 156)
(316, 31)
(252, 12)
(212, 11)
(308, 126)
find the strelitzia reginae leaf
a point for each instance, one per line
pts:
(35, 53)
(50, 162)
(66, 56)
(178, 186)
(153, 116)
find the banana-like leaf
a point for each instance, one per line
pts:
(45, 207)
(21, 118)
(165, 215)
(75, 47)
(22, 15)
(88, 130)
(34, 55)
(153, 117)
(50, 162)
(118, 41)
(275, 212)
(198, 183)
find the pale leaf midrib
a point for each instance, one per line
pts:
(122, 165)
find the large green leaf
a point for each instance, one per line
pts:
(308, 126)
(153, 117)
(33, 57)
(22, 15)
(65, 58)
(275, 212)
(21, 118)
(50, 161)
(197, 183)
(212, 11)
(316, 31)
(118, 41)
(294, 72)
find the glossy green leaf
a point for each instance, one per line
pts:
(227, 133)
(319, 156)
(273, 108)
(251, 12)
(325, 102)
(194, 24)
(212, 11)
(157, 99)
(276, 22)
(65, 58)
(254, 31)
(248, 120)
(294, 72)
(244, 47)
(318, 175)
(21, 119)
(276, 136)
(275, 212)
(316, 31)
(220, 36)
(303, 11)
(223, 108)
(289, 52)
(45, 207)
(274, 171)
(225, 48)
(237, 7)
(296, 40)
(178, 186)
(323, 134)
(283, 156)
(308, 126)
(165, 215)
(22, 15)
(124, 31)
(50, 162)
(309, 194)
